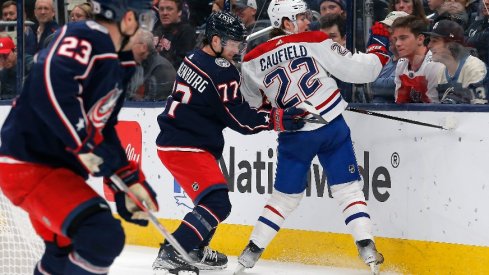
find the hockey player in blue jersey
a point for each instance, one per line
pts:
(293, 68)
(62, 128)
(205, 100)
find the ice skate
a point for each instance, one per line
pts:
(207, 259)
(248, 257)
(169, 261)
(369, 254)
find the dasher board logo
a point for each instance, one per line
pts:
(131, 137)
(181, 197)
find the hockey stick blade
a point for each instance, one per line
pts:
(152, 218)
(312, 110)
(366, 112)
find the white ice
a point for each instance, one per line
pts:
(137, 260)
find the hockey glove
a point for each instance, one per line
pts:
(134, 178)
(378, 42)
(286, 119)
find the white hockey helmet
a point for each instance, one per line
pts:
(279, 9)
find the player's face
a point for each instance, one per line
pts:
(439, 50)
(406, 42)
(169, 12)
(232, 48)
(334, 33)
(9, 13)
(303, 21)
(404, 5)
(328, 7)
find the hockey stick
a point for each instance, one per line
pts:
(259, 33)
(168, 236)
(366, 112)
(312, 110)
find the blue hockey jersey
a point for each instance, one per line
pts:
(75, 88)
(205, 100)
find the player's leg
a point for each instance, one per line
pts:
(293, 162)
(63, 206)
(57, 249)
(200, 177)
(340, 165)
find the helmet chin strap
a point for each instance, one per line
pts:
(125, 37)
(218, 54)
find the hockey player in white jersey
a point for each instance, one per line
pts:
(292, 68)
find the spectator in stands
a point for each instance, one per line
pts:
(44, 13)
(454, 11)
(154, 77)
(382, 89)
(434, 6)
(478, 32)
(332, 6)
(81, 12)
(173, 38)
(8, 61)
(416, 75)
(334, 26)
(462, 79)
(9, 13)
(412, 7)
(246, 11)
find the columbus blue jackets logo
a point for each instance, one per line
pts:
(221, 62)
(181, 198)
(103, 108)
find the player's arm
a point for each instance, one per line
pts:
(340, 62)
(238, 115)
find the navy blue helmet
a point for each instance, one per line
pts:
(225, 25)
(110, 9)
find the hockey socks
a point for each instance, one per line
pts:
(277, 209)
(354, 209)
(197, 225)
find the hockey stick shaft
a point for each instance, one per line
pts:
(259, 33)
(152, 218)
(366, 112)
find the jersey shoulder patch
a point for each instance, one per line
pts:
(222, 62)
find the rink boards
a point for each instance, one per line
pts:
(427, 190)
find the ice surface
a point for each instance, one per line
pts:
(137, 260)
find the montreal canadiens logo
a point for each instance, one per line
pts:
(103, 108)
(221, 62)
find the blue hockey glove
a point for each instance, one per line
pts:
(134, 178)
(286, 119)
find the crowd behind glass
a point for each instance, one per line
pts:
(438, 48)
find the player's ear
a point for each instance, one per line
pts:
(129, 23)
(288, 25)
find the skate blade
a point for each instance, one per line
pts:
(239, 270)
(375, 268)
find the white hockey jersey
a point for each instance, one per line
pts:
(294, 68)
(417, 86)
